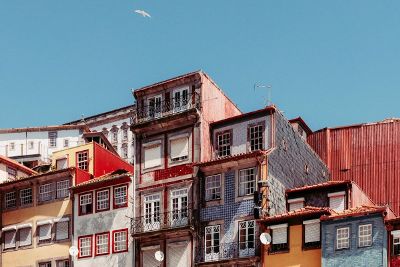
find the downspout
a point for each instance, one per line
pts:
(134, 197)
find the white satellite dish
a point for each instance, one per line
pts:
(159, 255)
(73, 251)
(265, 238)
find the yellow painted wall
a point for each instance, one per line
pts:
(30, 256)
(71, 154)
(296, 257)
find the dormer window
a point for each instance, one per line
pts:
(337, 201)
(224, 143)
(296, 203)
(256, 137)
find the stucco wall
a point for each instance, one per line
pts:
(375, 255)
(70, 153)
(4, 174)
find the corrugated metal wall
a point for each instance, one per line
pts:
(368, 154)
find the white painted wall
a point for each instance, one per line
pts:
(4, 174)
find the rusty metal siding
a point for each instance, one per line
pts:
(367, 154)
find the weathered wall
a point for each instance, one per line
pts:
(375, 255)
(4, 174)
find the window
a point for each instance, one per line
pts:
(63, 263)
(25, 196)
(45, 264)
(179, 207)
(11, 200)
(342, 238)
(279, 237)
(247, 238)
(154, 107)
(31, 145)
(11, 173)
(181, 99)
(256, 140)
(44, 231)
(9, 238)
(102, 243)
(52, 139)
(179, 149)
(124, 151)
(66, 142)
(212, 240)
(103, 200)
(25, 236)
(152, 212)
(120, 241)
(63, 189)
(83, 160)
(312, 236)
(365, 235)
(61, 164)
(336, 201)
(62, 228)
(125, 134)
(114, 136)
(152, 155)
(296, 203)
(45, 192)
(247, 181)
(85, 246)
(120, 196)
(224, 144)
(12, 146)
(213, 187)
(85, 204)
(396, 242)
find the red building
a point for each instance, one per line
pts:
(368, 154)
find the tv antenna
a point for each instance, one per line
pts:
(269, 90)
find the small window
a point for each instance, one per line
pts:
(120, 196)
(114, 136)
(61, 164)
(83, 160)
(213, 187)
(31, 145)
(179, 149)
(52, 139)
(224, 144)
(337, 201)
(124, 151)
(342, 238)
(296, 203)
(125, 134)
(9, 239)
(63, 189)
(152, 156)
(365, 235)
(12, 146)
(396, 245)
(120, 241)
(85, 246)
(25, 237)
(312, 233)
(11, 173)
(10, 200)
(85, 204)
(103, 200)
(45, 264)
(102, 244)
(66, 142)
(62, 229)
(256, 140)
(45, 192)
(44, 233)
(63, 263)
(25, 196)
(247, 181)
(279, 237)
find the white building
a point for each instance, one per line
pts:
(115, 125)
(102, 208)
(35, 145)
(12, 170)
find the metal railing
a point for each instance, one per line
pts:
(162, 221)
(227, 251)
(159, 109)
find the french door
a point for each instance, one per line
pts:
(246, 238)
(179, 202)
(154, 106)
(181, 99)
(152, 212)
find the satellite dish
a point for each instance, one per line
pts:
(159, 255)
(265, 238)
(73, 251)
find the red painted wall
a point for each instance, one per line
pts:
(106, 162)
(81, 176)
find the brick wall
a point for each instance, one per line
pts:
(375, 255)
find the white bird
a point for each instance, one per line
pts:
(143, 13)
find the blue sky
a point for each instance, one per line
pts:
(331, 62)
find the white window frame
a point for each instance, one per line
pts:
(296, 203)
(63, 189)
(180, 105)
(10, 199)
(246, 186)
(85, 199)
(343, 238)
(336, 195)
(213, 185)
(45, 192)
(21, 244)
(120, 241)
(309, 227)
(102, 244)
(184, 156)
(11, 173)
(152, 211)
(213, 251)
(365, 235)
(66, 142)
(103, 199)
(13, 244)
(82, 160)
(12, 146)
(155, 162)
(224, 140)
(120, 198)
(85, 245)
(280, 229)
(45, 238)
(52, 139)
(395, 242)
(157, 112)
(256, 135)
(25, 196)
(247, 246)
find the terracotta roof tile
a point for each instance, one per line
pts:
(308, 210)
(37, 175)
(317, 186)
(357, 211)
(106, 177)
(232, 158)
(17, 165)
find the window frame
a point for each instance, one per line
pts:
(14, 247)
(249, 139)
(64, 189)
(97, 199)
(113, 240)
(337, 239)
(82, 161)
(96, 245)
(90, 237)
(207, 189)
(12, 173)
(240, 183)
(21, 202)
(212, 240)
(282, 247)
(218, 145)
(360, 236)
(79, 203)
(63, 220)
(51, 192)
(314, 244)
(19, 237)
(14, 200)
(52, 135)
(118, 206)
(44, 241)
(397, 236)
(63, 261)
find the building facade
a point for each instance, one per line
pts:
(254, 152)
(172, 132)
(12, 170)
(102, 208)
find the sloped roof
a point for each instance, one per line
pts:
(104, 178)
(17, 165)
(37, 175)
(232, 158)
(354, 212)
(308, 210)
(318, 186)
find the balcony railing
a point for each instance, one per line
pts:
(163, 108)
(162, 221)
(227, 251)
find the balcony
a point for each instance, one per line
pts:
(227, 252)
(157, 108)
(155, 222)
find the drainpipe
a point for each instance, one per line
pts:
(134, 196)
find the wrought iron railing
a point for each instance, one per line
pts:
(159, 109)
(227, 251)
(162, 221)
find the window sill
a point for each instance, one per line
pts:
(242, 198)
(214, 202)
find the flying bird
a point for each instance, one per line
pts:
(143, 13)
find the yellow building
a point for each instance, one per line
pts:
(37, 219)
(295, 238)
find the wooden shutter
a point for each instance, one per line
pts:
(152, 156)
(179, 148)
(312, 231)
